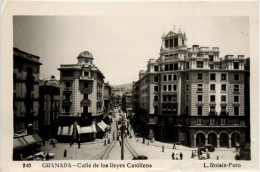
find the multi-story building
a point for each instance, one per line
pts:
(49, 107)
(127, 104)
(192, 96)
(82, 87)
(107, 98)
(25, 91)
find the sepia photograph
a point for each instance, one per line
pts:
(189, 100)
(145, 86)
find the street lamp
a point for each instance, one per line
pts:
(122, 138)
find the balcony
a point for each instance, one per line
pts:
(86, 102)
(67, 101)
(223, 113)
(86, 78)
(86, 90)
(67, 89)
(212, 113)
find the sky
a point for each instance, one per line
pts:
(121, 45)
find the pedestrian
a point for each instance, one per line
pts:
(47, 156)
(162, 148)
(174, 147)
(43, 142)
(143, 140)
(105, 142)
(195, 153)
(65, 153)
(237, 146)
(147, 142)
(78, 144)
(173, 155)
(181, 156)
(54, 144)
(51, 142)
(192, 154)
(108, 141)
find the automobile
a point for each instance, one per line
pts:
(140, 157)
(208, 147)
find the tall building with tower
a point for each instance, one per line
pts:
(192, 96)
(82, 87)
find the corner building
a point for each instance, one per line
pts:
(82, 87)
(191, 96)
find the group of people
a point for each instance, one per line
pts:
(176, 158)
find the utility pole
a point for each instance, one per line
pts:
(122, 138)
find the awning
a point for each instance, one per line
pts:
(104, 125)
(88, 129)
(100, 127)
(65, 130)
(21, 142)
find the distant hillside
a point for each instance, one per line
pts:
(127, 86)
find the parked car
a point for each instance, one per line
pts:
(140, 157)
(208, 147)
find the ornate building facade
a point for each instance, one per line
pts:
(82, 102)
(192, 96)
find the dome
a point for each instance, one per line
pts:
(85, 54)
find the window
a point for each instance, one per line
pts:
(164, 98)
(236, 121)
(187, 110)
(155, 98)
(200, 87)
(174, 87)
(212, 109)
(236, 77)
(187, 98)
(198, 121)
(85, 84)
(212, 121)
(156, 68)
(223, 77)
(236, 110)
(85, 96)
(236, 87)
(175, 56)
(174, 77)
(212, 76)
(171, 67)
(86, 73)
(176, 66)
(187, 88)
(236, 98)
(67, 84)
(164, 77)
(212, 98)
(174, 97)
(223, 121)
(164, 87)
(223, 87)
(67, 95)
(223, 98)
(200, 98)
(166, 44)
(199, 110)
(187, 77)
(212, 87)
(169, 77)
(156, 79)
(187, 65)
(175, 42)
(199, 64)
(171, 42)
(200, 77)
(211, 58)
(169, 87)
(236, 65)
(166, 67)
(156, 88)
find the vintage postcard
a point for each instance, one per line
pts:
(129, 86)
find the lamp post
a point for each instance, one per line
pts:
(122, 138)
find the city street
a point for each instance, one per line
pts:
(97, 150)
